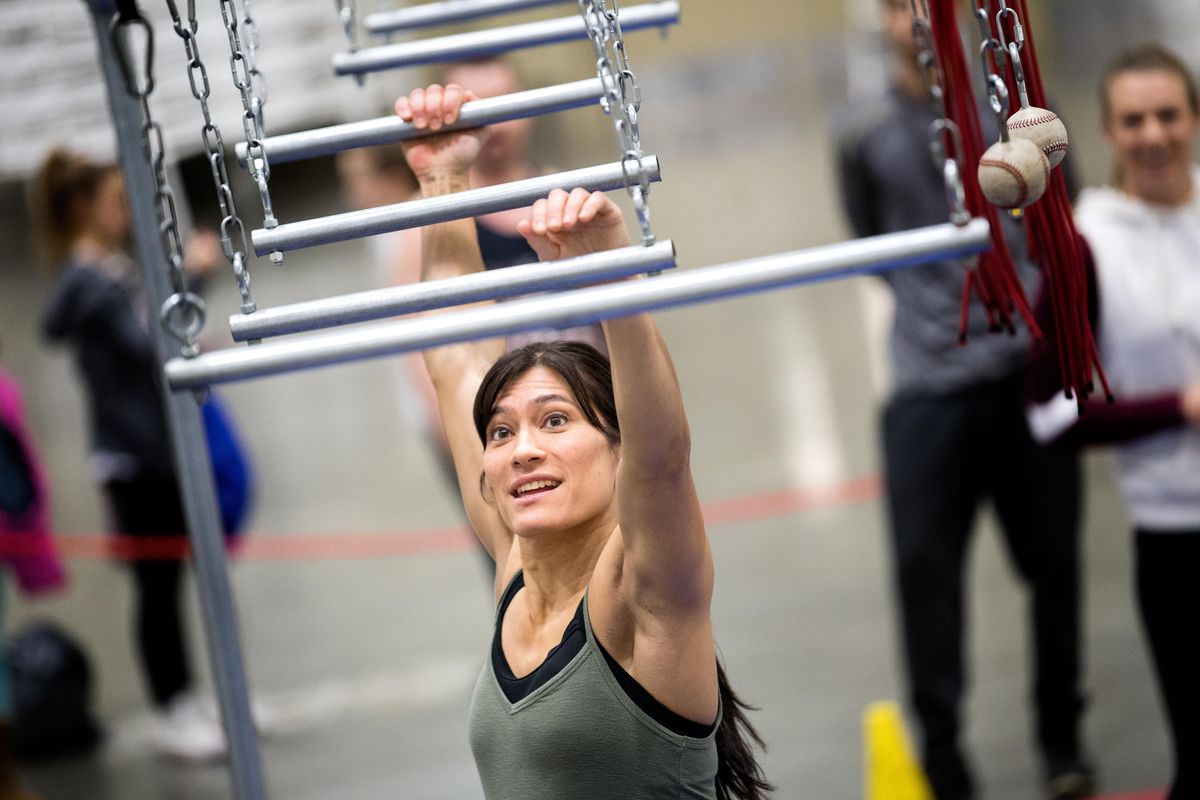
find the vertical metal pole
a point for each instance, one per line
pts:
(188, 441)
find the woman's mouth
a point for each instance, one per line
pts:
(535, 487)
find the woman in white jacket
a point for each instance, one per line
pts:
(1144, 236)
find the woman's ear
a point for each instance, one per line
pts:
(485, 491)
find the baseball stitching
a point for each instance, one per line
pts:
(1032, 121)
(1011, 170)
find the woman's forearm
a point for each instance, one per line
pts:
(448, 249)
(650, 407)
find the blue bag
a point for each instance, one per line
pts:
(231, 470)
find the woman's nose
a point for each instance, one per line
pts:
(1153, 132)
(528, 447)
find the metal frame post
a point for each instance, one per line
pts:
(189, 444)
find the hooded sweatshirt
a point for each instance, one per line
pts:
(1147, 262)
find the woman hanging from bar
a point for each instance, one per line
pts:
(602, 680)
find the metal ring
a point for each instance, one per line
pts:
(184, 329)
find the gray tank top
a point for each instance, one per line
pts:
(581, 735)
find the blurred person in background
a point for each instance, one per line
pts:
(98, 309)
(1144, 292)
(379, 176)
(505, 158)
(955, 435)
(25, 546)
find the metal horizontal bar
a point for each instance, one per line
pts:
(476, 44)
(446, 12)
(431, 210)
(492, 285)
(384, 130)
(583, 306)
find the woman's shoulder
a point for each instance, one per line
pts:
(1103, 212)
(77, 293)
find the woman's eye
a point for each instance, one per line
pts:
(499, 434)
(556, 420)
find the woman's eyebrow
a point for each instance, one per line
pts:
(540, 400)
(553, 398)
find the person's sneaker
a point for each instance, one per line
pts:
(185, 731)
(1071, 783)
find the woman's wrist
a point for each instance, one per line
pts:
(442, 182)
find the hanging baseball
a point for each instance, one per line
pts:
(1044, 129)
(1014, 174)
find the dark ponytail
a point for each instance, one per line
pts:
(739, 775)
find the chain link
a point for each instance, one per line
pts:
(258, 82)
(182, 315)
(257, 164)
(622, 100)
(943, 130)
(1012, 49)
(348, 16)
(214, 147)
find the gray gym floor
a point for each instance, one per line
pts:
(363, 662)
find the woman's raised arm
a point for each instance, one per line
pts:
(667, 562)
(441, 162)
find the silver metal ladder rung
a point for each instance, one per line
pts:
(497, 284)
(385, 130)
(432, 210)
(446, 12)
(582, 306)
(476, 44)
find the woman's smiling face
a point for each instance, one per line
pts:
(1151, 126)
(546, 468)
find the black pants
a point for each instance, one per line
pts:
(943, 456)
(1168, 570)
(151, 507)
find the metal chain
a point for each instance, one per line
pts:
(995, 69)
(622, 100)
(1013, 48)
(348, 15)
(257, 163)
(943, 130)
(214, 145)
(182, 315)
(258, 82)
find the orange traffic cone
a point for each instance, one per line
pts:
(892, 772)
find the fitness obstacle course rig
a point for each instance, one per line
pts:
(126, 47)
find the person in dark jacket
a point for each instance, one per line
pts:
(955, 436)
(97, 309)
